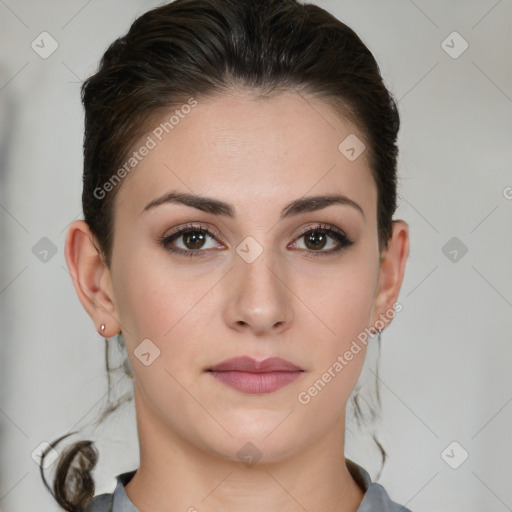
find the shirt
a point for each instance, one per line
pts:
(376, 498)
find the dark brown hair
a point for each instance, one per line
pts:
(199, 48)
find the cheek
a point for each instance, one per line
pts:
(342, 305)
(159, 302)
(152, 295)
(341, 343)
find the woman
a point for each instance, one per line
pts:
(239, 187)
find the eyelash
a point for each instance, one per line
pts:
(343, 240)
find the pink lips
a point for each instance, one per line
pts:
(255, 377)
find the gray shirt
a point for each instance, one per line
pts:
(376, 499)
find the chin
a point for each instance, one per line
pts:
(257, 445)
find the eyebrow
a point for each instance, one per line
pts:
(217, 207)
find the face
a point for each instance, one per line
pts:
(255, 277)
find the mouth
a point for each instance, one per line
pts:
(247, 375)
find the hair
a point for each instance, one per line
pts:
(201, 48)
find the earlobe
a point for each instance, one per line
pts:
(90, 276)
(392, 269)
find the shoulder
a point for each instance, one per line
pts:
(376, 498)
(100, 503)
(116, 501)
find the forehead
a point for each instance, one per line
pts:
(250, 152)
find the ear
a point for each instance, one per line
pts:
(392, 268)
(91, 277)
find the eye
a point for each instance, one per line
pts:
(316, 239)
(194, 237)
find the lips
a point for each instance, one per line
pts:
(256, 377)
(247, 364)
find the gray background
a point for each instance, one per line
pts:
(445, 364)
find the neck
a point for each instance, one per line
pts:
(177, 475)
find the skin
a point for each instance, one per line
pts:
(257, 155)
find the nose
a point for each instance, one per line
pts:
(259, 298)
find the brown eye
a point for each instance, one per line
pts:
(192, 238)
(317, 238)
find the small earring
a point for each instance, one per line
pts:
(380, 331)
(102, 328)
